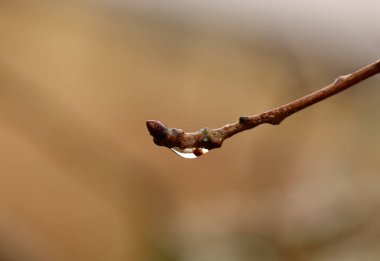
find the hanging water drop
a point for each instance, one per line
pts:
(190, 153)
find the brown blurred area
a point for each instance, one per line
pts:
(80, 178)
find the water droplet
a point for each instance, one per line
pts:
(190, 153)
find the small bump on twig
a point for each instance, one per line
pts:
(243, 120)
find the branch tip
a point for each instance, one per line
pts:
(213, 138)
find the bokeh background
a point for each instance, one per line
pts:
(80, 178)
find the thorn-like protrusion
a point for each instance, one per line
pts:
(340, 79)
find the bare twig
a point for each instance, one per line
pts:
(213, 138)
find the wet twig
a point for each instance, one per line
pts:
(213, 138)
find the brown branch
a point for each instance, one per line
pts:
(213, 138)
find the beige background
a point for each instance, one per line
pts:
(80, 178)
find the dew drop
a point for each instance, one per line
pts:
(190, 153)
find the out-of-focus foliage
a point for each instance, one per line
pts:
(80, 178)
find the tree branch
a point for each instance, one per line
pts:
(213, 138)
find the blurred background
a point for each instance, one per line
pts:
(81, 179)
